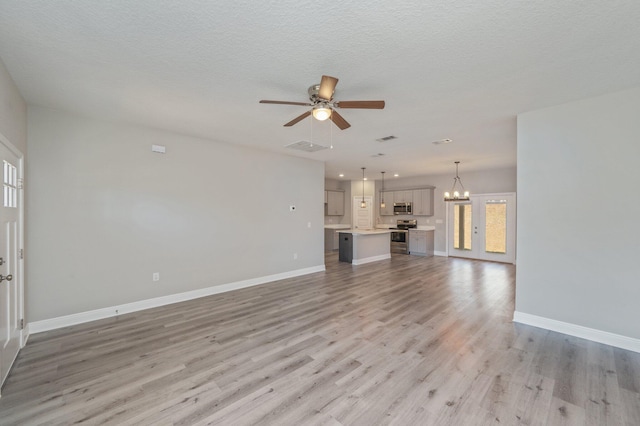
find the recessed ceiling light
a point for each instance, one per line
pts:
(365, 178)
(442, 141)
(341, 175)
(396, 175)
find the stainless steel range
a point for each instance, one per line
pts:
(400, 236)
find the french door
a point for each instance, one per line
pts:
(484, 227)
(11, 291)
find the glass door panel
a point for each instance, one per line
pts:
(495, 213)
(462, 223)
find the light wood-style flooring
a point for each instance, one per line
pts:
(405, 341)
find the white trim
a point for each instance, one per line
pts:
(371, 259)
(25, 333)
(112, 311)
(592, 334)
(441, 253)
(22, 338)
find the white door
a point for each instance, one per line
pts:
(11, 266)
(483, 228)
(362, 217)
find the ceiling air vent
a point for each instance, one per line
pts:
(306, 146)
(387, 138)
(380, 154)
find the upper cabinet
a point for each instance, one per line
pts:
(402, 196)
(387, 196)
(421, 198)
(423, 202)
(334, 203)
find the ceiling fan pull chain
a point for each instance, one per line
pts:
(331, 136)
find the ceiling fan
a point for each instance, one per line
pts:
(321, 97)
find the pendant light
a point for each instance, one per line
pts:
(363, 204)
(382, 204)
(454, 195)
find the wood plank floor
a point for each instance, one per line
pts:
(405, 341)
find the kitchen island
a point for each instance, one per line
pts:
(364, 246)
(331, 241)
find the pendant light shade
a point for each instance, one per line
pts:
(382, 204)
(457, 189)
(363, 204)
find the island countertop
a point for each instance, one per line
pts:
(365, 231)
(337, 226)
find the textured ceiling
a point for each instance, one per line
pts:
(446, 69)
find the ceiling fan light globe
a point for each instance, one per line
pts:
(321, 113)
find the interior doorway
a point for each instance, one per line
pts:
(484, 227)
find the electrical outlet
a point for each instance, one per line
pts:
(156, 276)
(308, 224)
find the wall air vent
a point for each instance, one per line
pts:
(387, 138)
(306, 146)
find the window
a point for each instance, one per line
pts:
(462, 226)
(496, 226)
(10, 185)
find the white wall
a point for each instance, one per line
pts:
(13, 112)
(105, 213)
(578, 211)
(479, 182)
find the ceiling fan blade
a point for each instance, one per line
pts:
(360, 104)
(327, 87)
(286, 103)
(298, 118)
(339, 121)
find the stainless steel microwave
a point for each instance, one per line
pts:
(402, 208)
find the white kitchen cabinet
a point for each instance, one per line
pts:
(423, 202)
(402, 196)
(387, 210)
(421, 242)
(335, 203)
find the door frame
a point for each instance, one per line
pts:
(23, 334)
(513, 245)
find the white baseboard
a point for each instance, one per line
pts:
(370, 259)
(112, 311)
(440, 253)
(592, 334)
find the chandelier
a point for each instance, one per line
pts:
(454, 195)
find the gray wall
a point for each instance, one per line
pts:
(479, 182)
(105, 213)
(13, 112)
(578, 210)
